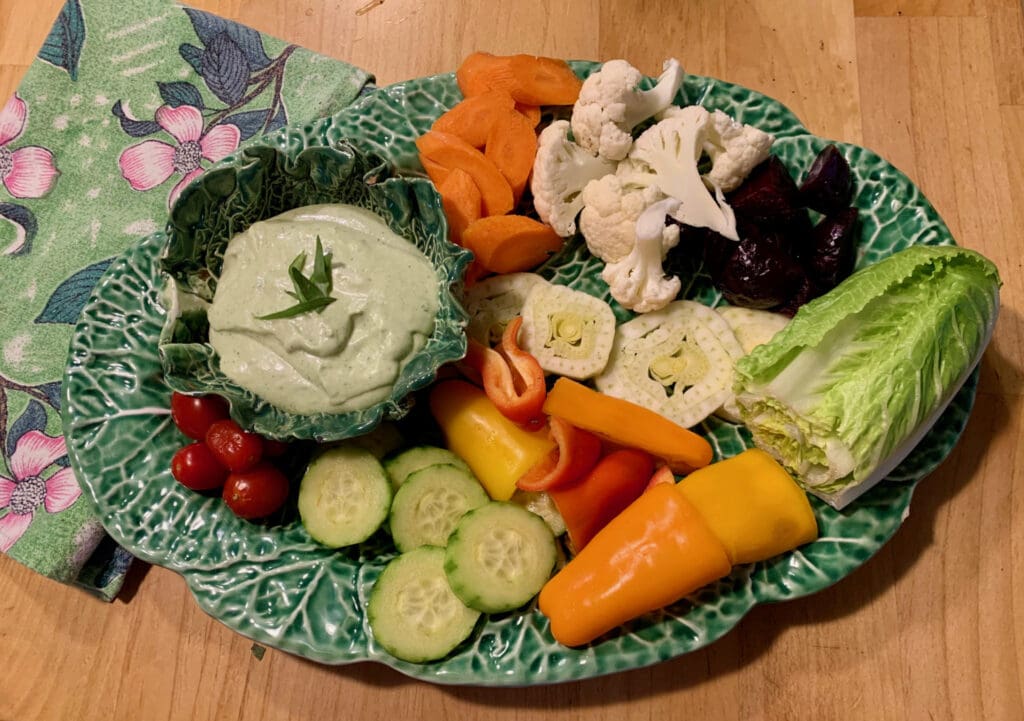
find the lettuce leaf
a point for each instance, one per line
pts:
(844, 391)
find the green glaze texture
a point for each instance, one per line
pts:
(265, 180)
(275, 585)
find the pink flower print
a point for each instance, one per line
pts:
(151, 162)
(27, 172)
(22, 495)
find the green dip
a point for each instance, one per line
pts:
(346, 357)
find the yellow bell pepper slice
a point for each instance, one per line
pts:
(752, 504)
(496, 449)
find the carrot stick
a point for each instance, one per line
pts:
(512, 146)
(454, 152)
(510, 243)
(461, 200)
(471, 119)
(628, 424)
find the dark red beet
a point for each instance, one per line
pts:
(833, 251)
(769, 196)
(808, 291)
(761, 273)
(829, 184)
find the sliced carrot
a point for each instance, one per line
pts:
(512, 146)
(454, 152)
(435, 171)
(532, 112)
(461, 200)
(530, 79)
(510, 243)
(543, 81)
(471, 119)
(480, 72)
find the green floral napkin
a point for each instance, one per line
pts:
(127, 102)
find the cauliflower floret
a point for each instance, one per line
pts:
(610, 105)
(610, 212)
(735, 149)
(666, 156)
(561, 169)
(638, 281)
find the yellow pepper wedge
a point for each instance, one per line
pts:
(654, 553)
(752, 504)
(496, 449)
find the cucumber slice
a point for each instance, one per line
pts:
(402, 465)
(344, 496)
(412, 611)
(499, 557)
(429, 504)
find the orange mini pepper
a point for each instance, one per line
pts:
(654, 553)
(628, 424)
(496, 449)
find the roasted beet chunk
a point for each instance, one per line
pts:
(768, 197)
(833, 251)
(761, 273)
(808, 291)
(828, 185)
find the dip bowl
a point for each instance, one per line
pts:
(289, 171)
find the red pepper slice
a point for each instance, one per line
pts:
(577, 452)
(590, 504)
(512, 379)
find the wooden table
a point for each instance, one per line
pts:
(931, 628)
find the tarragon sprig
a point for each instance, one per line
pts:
(312, 293)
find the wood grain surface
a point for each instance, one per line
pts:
(931, 628)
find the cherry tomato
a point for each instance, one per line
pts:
(274, 449)
(195, 414)
(195, 467)
(235, 448)
(257, 492)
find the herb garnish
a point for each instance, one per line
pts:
(312, 293)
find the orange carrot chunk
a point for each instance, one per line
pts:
(543, 81)
(532, 112)
(471, 119)
(454, 152)
(435, 171)
(512, 146)
(461, 200)
(480, 72)
(510, 243)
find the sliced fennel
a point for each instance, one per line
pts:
(569, 332)
(752, 327)
(677, 361)
(494, 301)
(843, 393)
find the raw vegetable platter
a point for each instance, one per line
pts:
(274, 584)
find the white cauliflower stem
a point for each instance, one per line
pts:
(610, 105)
(561, 170)
(638, 281)
(610, 212)
(666, 156)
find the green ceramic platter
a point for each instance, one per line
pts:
(273, 584)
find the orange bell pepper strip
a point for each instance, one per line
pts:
(512, 379)
(589, 504)
(654, 553)
(575, 456)
(628, 424)
(495, 449)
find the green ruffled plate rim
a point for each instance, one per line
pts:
(278, 587)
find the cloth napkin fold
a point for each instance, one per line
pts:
(126, 103)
